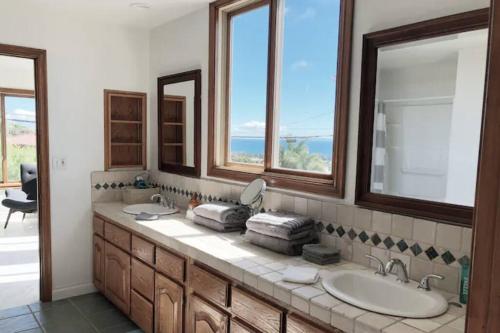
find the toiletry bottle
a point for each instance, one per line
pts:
(464, 282)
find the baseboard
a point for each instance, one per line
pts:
(67, 292)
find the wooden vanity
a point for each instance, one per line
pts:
(164, 291)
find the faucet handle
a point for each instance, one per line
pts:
(424, 283)
(381, 267)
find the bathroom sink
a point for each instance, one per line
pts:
(150, 208)
(384, 295)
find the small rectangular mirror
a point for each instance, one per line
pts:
(424, 118)
(179, 123)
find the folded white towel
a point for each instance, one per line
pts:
(306, 275)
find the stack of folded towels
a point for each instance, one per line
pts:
(281, 232)
(320, 254)
(221, 216)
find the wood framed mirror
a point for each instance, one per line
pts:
(179, 123)
(421, 106)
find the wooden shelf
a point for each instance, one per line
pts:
(125, 129)
(167, 123)
(126, 144)
(172, 134)
(138, 122)
(174, 144)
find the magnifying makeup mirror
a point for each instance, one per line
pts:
(253, 195)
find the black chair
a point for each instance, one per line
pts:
(25, 199)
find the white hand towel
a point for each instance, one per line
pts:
(306, 275)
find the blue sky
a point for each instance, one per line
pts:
(20, 109)
(309, 60)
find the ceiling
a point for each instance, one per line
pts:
(121, 13)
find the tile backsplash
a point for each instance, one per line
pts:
(425, 246)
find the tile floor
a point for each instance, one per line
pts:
(19, 259)
(90, 313)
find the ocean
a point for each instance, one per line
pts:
(322, 146)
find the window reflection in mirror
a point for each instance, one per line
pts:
(178, 123)
(428, 110)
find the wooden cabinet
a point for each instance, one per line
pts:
(165, 292)
(141, 312)
(256, 312)
(117, 277)
(142, 279)
(124, 129)
(204, 318)
(296, 324)
(98, 271)
(169, 302)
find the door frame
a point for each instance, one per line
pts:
(39, 57)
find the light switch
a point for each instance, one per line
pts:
(59, 163)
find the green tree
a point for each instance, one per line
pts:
(296, 155)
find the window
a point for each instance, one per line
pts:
(18, 128)
(278, 107)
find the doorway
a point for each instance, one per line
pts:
(25, 260)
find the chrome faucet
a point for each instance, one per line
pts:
(424, 283)
(160, 198)
(380, 269)
(401, 272)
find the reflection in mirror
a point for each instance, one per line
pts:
(178, 123)
(427, 122)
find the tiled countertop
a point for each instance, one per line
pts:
(261, 269)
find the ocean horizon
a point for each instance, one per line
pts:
(255, 145)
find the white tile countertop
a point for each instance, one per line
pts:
(261, 269)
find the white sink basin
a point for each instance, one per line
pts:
(150, 208)
(384, 295)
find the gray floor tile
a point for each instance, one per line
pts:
(36, 307)
(18, 324)
(34, 330)
(75, 326)
(91, 303)
(14, 312)
(61, 313)
(108, 318)
(129, 327)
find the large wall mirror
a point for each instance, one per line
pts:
(420, 117)
(179, 123)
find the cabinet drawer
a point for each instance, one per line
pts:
(295, 324)
(209, 285)
(256, 312)
(143, 250)
(141, 312)
(98, 225)
(117, 236)
(170, 264)
(142, 279)
(204, 318)
(237, 327)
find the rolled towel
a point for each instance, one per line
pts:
(296, 274)
(217, 226)
(288, 247)
(223, 212)
(282, 225)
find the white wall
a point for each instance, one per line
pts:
(17, 73)
(83, 59)
(175, 47)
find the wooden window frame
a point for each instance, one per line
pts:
(441, 212)
(9, 92)
(323, 184)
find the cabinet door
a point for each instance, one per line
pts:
(98, 271)
(296, 324)
(168, 305)
(237, 327)
(117, 277)
(204, 318)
